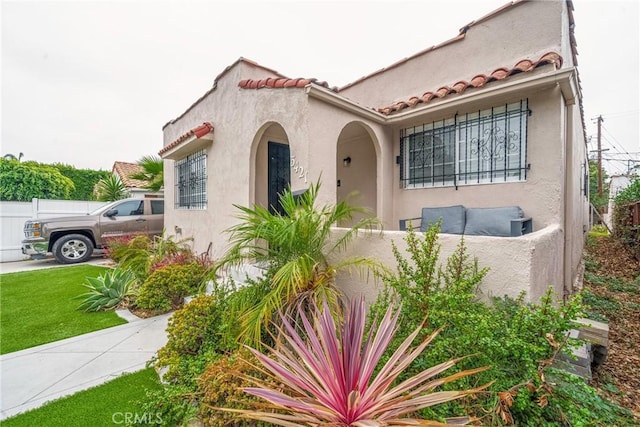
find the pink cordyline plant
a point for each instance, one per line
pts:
(326, 372)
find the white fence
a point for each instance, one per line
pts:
(14, 214)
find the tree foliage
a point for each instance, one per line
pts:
(83, 179)
(596, 199)
(152, 172)
(23, 181)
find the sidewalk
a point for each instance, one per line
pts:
(31, 377)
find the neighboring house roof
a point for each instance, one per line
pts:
(124, 170)
(198, 132)
(479, 80)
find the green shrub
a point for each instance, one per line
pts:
(515, 337)
(194, 338)
(220, 386)
(166, 287)
(144, 255)
(623, 227)
(108, 291)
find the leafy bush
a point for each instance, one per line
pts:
(623, 227)
(109, 290)
(117, 246)
(144, 255)
(326, 373)
(166, 287)
(84, 180)
(194, 339)
(21, 182)
(511, 335)
(221, 385)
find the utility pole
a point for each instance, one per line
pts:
(599, 156)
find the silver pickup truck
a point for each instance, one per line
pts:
(73, 239)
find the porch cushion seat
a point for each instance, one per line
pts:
(491, 221)
(453, 219)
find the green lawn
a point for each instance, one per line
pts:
(109, 404)
(36, 307)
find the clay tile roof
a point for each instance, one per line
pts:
(198, 132)
(279, 83)
(477, 81)
(124, 170)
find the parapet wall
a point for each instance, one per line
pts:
(529, 263)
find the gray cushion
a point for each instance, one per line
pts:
(491, 221)
(452, 219)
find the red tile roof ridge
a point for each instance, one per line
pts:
(198, 132)
(215, 84)
(477, 81)
(279, 83)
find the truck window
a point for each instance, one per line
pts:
(157, 207)
(132, 207)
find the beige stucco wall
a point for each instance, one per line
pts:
(320, 134)
(527, 30)
(529, 263)
(540, 196)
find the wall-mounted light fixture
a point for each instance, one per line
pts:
(346, 161)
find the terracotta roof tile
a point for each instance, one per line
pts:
(198, 132)
(124, 170)
(279, 83)
(477, 81)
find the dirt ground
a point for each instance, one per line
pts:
(613, 277)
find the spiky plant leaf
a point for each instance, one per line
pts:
(327, 373)
(108, 290)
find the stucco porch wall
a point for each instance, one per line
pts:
(529, 263)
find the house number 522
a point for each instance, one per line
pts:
(298, 169)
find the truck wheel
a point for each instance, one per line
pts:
(72, 248)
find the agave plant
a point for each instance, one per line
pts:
(327, 374)
(107, 291)
(296, 246)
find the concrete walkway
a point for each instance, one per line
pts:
(29, 378)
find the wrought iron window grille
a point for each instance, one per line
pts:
(483, 147)
(191, 181)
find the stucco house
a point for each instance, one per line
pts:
(489, 118)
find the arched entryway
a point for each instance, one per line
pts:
(356, 167)
(272, 166)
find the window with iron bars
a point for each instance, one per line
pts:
(191, 181)
(475, 148)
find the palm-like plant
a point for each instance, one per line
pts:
(326, 374)
(296, 246)
(152, 172)
(110, 189)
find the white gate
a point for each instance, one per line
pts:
(14, 214)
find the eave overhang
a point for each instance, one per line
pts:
(565, 79)
(196, 139)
